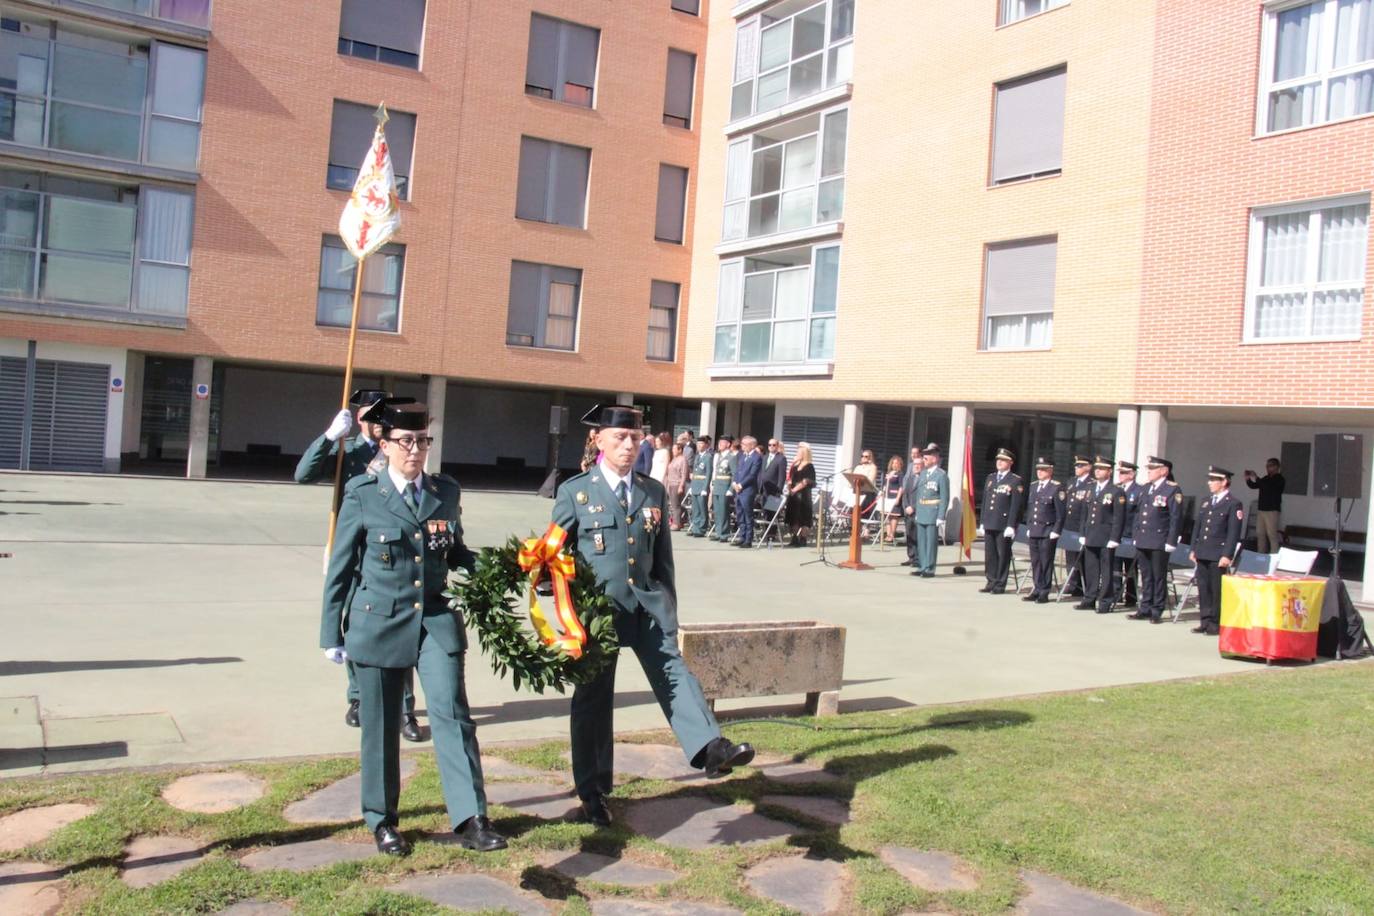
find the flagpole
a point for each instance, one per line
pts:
(347, 387)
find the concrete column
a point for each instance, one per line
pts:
(731, 415)
(434, 400)
(851, 429)
(746, 420)
(625, 399)
(708, 421)
(1154, 433)
(960, 420)
(1367, 585)
(1127, 432)
(198, 441)
(132, 426)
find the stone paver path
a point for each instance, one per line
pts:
(646, 908)
(213, 793)
(931, 871)
(811, 886)
(537, 799)
(606, 870)
(792, 773)
(471, 893)
(699, 823)
(826, 810)
(652, 761)
(307, 855)
(339, 802)
(150, 860)
(34, 825)
(500, 768)
(31, 888)
(255, 908)
(1051, 896)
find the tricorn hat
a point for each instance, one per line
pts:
(613, 416)
(932, 448)
(373, 412)
(403, 413)
(366, 397)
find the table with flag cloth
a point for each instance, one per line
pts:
(1271, 617)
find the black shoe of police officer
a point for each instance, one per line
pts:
(1138, 615)
(411, 730)
(1084, 606)
(1043, 599)
(1031, 597)
(390, 841)
(351, 717)
(595, 811)
(986, 589)
(721, 756)
(477, 833)
(906, 562)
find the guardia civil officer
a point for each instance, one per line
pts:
(1123, 579)
(359, 452)
(1158, 524)
(1104, 524)
(931, 496)
(1003, 495)
(399, 535)
(617, 519)
(722, 472)
(699, 484)
(1045, 512)
(1220, 527)
(1076, 499)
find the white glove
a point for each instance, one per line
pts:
(1009, 533)
(980, 531)
(1112, 545)
(1170, 548)
(1054, 535)
(336, 655)
(342, 423)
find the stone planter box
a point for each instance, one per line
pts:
(767, 658)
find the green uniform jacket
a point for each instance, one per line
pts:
(932, 495)
(724, 471)
(629, 551)
(318, 460)
(400, 560)
(701, 473)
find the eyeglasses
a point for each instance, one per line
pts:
(409, 443)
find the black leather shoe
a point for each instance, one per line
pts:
(917, 572)
(1214, 630)
(351, 717)
(999, 591)
(1138, 615)
(721, 756)
(1031, 597)
(1104, 610)
(1156, 620)
(477, 833)
(1084, 606)
(411, 730)
(985, 589)
(906, 562)
(390, 841)
(929, 575)
(1199, 629)
(1043, 599)
(595, 811)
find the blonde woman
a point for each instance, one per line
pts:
(801, 480)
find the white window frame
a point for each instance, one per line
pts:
(754, 28)
(1310, 286)
(809, 316)
(1323, 77)
(1003, 7)
(747, 201)
(986, 344)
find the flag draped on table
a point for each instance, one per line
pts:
(969, 526)
(372, 216)
(1270, 616)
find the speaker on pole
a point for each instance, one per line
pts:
(1337, 466)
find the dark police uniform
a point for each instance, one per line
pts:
(697, 487)
(1003, 495)
(1077, 501)
(1220, 527)
(1104, 525)
(722, 473)
(1045, 513)
(1123, 578)
(1158, 524)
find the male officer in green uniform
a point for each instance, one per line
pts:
(359, 452)
(399, 535)
(723, 471)
(932, 502)
(700, 483)
(617, 519)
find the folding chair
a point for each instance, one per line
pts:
(1126, 551)
(1192, 577)
(1295, 562)
(1179, 560)
(840, 511)
(872, 522)
(769, 514)
(1251, 563)
(1069, 541)
(1022, 540)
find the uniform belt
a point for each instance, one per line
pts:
(699, 476)
(930, 502)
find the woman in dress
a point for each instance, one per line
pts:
(659, 471)
(801, 479)
(676, 484)
(892, 493)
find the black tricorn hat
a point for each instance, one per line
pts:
(374, 412)
(932, 448)
(613, 416)
(404, 413)
(366, 397)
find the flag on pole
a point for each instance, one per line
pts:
(969, 526)
(371, 215)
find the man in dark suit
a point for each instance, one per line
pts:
(745, 483)
(1045, 512)
(773, 476)
(1104, 521)
(906, 504)
(1123, 578)
(644, 458)
(1220, 526)
(1003, 495)
(1158, 524)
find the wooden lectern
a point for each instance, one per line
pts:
(862, 487)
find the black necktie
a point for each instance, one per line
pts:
(622, 493)
(410, 496)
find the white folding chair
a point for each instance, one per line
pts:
(769, 514)
(1295, 562)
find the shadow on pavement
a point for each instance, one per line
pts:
(42, 666)
(20, 757)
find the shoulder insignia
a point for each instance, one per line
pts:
(1121, 499)
(1054, 483)
(1020, 489)
(1178, 498)
(581, 498)
(1061, 496)
(1240, 515)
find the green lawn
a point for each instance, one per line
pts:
(1238, 794)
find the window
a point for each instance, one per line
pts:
(387, 31)
(787, 177)
(663, 298)
(70, 241)
(672, 203)
(543, 306)
(692, 7)
(790, 51)
(677, 92)
(1016, 10)
(1307, 271)
(1018, 295)
(553, 182)
(1317, 63)
(188, 12)
(350, 137)
(379, 306)
(83, 93)
(778, 307)
(1028, 128)
(561, 63)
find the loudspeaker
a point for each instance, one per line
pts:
(1336, 466)
(558, 420)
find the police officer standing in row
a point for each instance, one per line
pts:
(1104, 524)
(399, 535)
(1220, 527)
(1077, 500)
(1123, 577)
(617, 519)
(699, 484)
(932, 502)
(1003, 493)
(1045, 513)
(1158, 524)
(723, 471)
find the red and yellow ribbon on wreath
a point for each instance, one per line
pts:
(546, 553)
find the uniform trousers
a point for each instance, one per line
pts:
(996, 559)
(450, 723)
(1042, 565)
(910, 527)
(698, 514)
(1153, 563)
(407, 696)
(677, 690)
(1098, 563)
(1208, 577)
(744, 515)
(927, 547)
(720, 504)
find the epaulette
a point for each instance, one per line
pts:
(1054, 482)
(443, 478)
(362, 480)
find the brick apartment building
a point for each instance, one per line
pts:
(1098, 225)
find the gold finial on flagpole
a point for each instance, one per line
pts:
(381, 115)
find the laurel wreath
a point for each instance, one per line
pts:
(493, 598)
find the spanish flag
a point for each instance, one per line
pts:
(969, 526)
(1270, 616)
